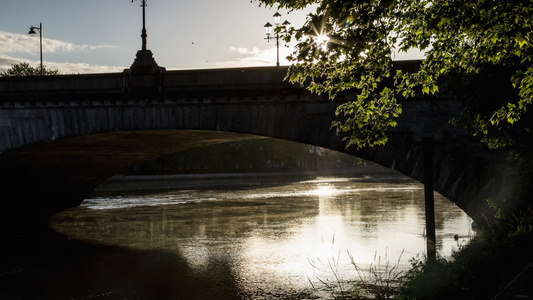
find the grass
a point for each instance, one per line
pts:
(381, 280)
(337, 287)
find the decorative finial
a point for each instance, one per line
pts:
(144, 62)
(143, 34)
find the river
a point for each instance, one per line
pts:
(236, 238)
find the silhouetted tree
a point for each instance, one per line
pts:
(24, 69)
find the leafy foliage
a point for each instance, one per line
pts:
(480, 50)
(24, 69)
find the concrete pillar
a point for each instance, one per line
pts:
(429, 200)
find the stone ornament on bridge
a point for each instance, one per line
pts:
(144, 62)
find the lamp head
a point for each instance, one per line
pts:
(277, 18)
(32, 31)
(268, 29)
(286, 24)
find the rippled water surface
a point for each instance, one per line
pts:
(259, 240)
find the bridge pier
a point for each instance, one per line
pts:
(431, 240)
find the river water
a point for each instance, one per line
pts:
(242, 238)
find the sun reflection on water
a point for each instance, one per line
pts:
(275, 236)
(324, 190)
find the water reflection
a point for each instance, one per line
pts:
(269, 239)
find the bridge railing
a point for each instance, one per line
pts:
(33, 88)
(59, 87)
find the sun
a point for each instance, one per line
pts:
(322, 40)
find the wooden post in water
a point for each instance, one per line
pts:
(427, 147)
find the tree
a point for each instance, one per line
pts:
(481, 50)
(24, 69)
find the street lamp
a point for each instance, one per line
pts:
(144, 62)
(143, 33)
(269, 30)
(32, 33)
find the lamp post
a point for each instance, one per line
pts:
(143, 33)
(144, 62)
(269, 30)
(32, 33)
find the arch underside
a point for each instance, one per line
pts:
(55, 175)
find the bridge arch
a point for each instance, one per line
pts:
(51, 127)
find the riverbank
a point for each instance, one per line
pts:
(131, 182)
(521, 287)
(354, 171)
(495, 265)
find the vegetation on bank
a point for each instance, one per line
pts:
(254, 155)
(479, 269)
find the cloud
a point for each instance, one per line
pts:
(245, 51)
(255, 57)
(83, 68)
(64, 68)
(6, 62)
(23, 43)
(13, 44)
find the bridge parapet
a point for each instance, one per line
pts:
(31, 89)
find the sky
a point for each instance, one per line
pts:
(98, 36)
(104, 35)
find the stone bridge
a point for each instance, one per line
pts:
(60, 136)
